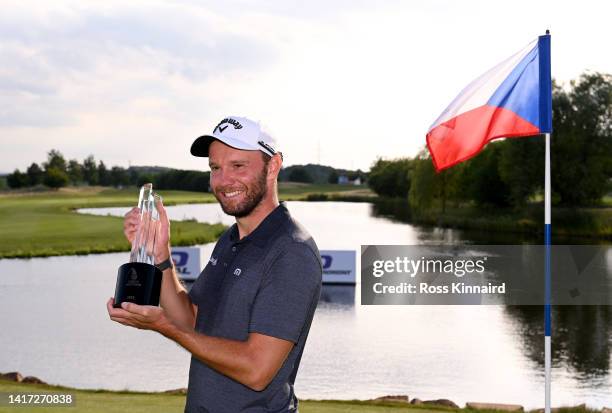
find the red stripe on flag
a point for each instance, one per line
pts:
(463, 136)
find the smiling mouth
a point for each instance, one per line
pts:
(231, 194)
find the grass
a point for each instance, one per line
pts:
(291, 191)
(103, 401)
(97, 401)
(38, 224)
(45, 223)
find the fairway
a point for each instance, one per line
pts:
(45, 223)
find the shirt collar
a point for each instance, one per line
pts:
(266, 228)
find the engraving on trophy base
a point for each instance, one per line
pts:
(139, 283)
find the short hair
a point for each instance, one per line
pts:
(265, 157)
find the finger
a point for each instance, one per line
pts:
(125, 321)
(163, 215)
(118, 312)
(134, 308)
(161, 208)
(109, 305)
(132, 212)
(131, 222)
(130, 230)
(132, 219)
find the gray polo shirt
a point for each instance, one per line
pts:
(269, 282)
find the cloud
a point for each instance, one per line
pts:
(137, 81)
(61, 61)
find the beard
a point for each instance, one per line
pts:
(252, 197)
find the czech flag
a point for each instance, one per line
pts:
(511, 100)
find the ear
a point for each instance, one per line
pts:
(275, 165)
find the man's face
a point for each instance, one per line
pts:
(237, 178)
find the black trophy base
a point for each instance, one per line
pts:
(138, 282)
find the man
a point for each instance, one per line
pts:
(246, 318)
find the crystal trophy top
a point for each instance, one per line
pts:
(139, 281)
(143, 245)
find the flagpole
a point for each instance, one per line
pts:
(546, 128)
(547, 306)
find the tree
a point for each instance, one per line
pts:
(581, 143)
(90, 171)
(391, 178)
(75, 171)
(427, 185)
(119, 176)
(17, 179)
(424, 184)
(55, 178)
(35, 174)
(480, 179)
(134, 175)
(299, 174)
(55, 160)
(333, 177)
(146, 178)
(521, 167)
(104, 177)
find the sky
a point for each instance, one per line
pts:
(338, 82)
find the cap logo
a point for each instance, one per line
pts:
(266, 146)
(231, 121)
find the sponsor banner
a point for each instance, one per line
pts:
(186, 262)
(338, 266)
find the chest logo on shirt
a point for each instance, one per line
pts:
(213, 261)
(237, 272)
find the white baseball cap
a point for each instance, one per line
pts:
(237, 132)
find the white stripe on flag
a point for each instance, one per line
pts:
(478, 93)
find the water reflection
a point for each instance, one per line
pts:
(582, 337)
(398, 210)
(338, 294)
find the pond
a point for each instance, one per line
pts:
(55, 326)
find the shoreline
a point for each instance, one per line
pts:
(31, 221)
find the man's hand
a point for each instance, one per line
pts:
(131, 221)
(145, 317)
(253, 362)
(130, 224)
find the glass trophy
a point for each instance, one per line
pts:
(139, 281)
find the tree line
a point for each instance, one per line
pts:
(319, 174)
(56, 172)
(510, 172)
